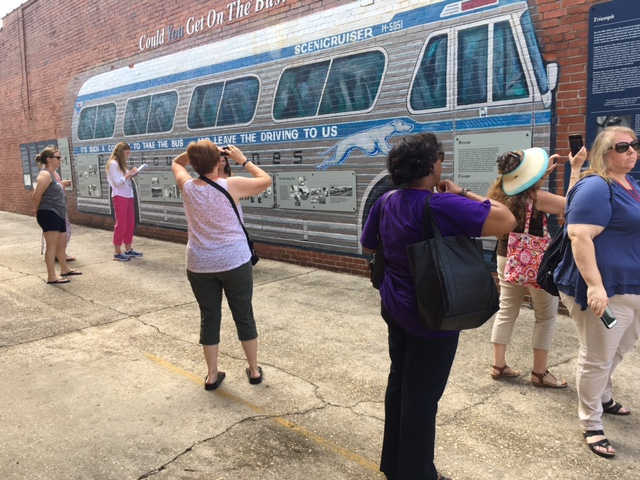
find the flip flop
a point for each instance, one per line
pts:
(254, 380)
(216, 384)
(59, 280)
(70, 273)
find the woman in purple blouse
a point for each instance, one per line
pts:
(420, 358)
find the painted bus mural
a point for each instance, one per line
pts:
(318, 102)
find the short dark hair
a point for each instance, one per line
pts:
(413, 158)
(203, 156)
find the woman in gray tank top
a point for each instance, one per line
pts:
(50, 202)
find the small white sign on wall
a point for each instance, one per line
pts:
(474, 166)
(65, 160)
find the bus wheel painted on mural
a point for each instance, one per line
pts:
(318, 102)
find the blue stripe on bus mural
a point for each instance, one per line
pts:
(401, 21)
(355, 132)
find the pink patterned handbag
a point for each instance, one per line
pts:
(524, 253)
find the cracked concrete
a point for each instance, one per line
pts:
(102, 378)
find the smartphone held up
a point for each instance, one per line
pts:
(575, 144)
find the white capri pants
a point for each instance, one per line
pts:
(545, 307)
(601, 350)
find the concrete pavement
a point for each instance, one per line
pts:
(102, 379)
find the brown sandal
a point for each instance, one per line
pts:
(552, 382)
(502, 373)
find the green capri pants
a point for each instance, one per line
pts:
(238, 288)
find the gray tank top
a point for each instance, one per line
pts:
(54, 198)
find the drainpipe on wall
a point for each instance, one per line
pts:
(23, 61)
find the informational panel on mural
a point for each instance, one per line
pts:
(30, 168)
(475, 165)
(614, 67)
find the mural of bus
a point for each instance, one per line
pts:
(318, 102)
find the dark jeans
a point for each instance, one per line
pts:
(419, 371)
(238, 288)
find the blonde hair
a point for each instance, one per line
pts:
(602, 144)
(119, 157)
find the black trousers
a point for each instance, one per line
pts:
(419, 371)
(238, 288)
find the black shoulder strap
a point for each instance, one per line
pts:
(385, 197)
(233, 204)
(430, 228)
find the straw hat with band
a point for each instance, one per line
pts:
(533, 165)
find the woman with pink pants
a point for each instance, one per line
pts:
(119, 177)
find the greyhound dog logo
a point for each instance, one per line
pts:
(372, 142)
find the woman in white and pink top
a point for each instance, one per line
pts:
(119, 177)
(218, 255)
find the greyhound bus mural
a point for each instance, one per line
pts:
(318, 102)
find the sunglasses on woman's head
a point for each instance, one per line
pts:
(622, 147)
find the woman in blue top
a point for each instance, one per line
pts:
(420, 359)
(601, 271)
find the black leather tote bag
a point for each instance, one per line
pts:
(454, 287)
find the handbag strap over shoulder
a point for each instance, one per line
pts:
(385, 197)
(233, 204)
(527, 224)
(431, 230)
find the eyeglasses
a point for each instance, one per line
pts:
(56, 156)
(622, 147)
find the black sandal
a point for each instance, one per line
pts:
(216, 384)
(612, 407)
(254, 380)
(604, 443)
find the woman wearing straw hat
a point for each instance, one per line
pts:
(521, 174)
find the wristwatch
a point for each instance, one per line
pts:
(464, 192)
(245, 163)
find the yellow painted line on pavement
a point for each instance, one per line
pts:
(319, 440)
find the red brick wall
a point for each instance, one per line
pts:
(562, 27)
(64, 39)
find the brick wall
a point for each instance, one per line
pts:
(563, 31)
(47, 44)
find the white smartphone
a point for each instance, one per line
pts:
(608, 319)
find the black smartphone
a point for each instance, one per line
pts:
(575, 143)
(608, 319)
